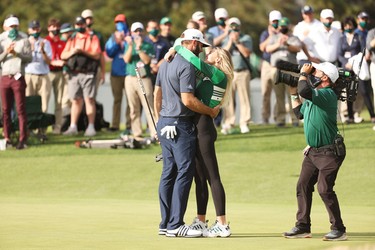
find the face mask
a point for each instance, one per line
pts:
(13, 33)
(89, 25)
(221, 23)
(55, 32)
(363, 24)
(64, 38)
(35, 35)
(275, 25)
(315, 81)
(154, 32)
(120, 26)
(284, 30)
(348, 30)
(81, 30)
(327, 24)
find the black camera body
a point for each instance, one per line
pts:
(346, 86)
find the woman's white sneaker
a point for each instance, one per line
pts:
(218, 230)
(199, 225)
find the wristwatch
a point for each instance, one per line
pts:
(303, 74)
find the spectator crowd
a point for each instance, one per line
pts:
(70, 61)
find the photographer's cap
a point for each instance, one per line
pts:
(328, 69)
(137, 25)
(275, 15)
(327, 13)
(194, 34)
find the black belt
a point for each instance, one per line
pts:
(323, 148)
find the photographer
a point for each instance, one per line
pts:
(325, 151)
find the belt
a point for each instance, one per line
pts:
(323, 148)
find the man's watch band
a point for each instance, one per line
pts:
(303, 74)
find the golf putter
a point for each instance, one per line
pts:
(158, 157)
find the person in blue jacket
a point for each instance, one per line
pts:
(115, 48)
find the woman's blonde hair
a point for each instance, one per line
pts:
(225, 65)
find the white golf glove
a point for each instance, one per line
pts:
(170, 132)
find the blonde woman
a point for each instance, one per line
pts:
(214, 77)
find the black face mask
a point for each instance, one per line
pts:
(315, 81)
(81, 30)
(221, 22)
(55, 32)
(284, 30)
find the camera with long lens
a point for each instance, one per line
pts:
(286, 78)
(346, 86)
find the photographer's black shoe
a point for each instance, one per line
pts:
(335, 235)
(297, 232)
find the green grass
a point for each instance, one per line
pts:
(55, 196)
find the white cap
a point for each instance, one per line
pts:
(198, 15)
(326, 13)
(137, 25)
(194, 34)
(234, 20)
(221, 13)
(11, 21)
(275, 15)
(87, 13)
(329, 69)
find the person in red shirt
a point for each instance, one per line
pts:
(56, 70)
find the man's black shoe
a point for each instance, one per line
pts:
(297, 232)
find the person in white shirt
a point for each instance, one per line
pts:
(324, 41)
(302, 30)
